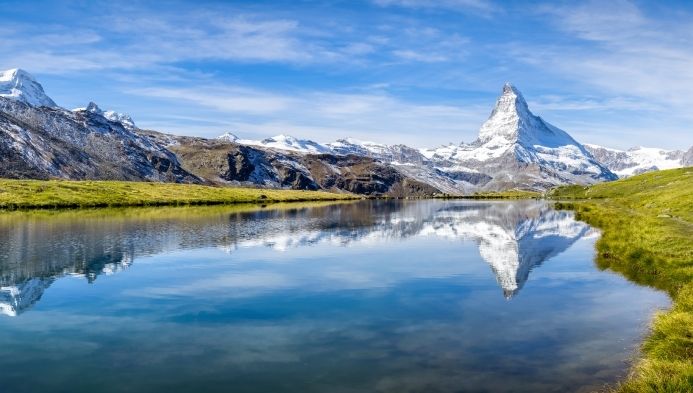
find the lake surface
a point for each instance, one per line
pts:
(372, 296)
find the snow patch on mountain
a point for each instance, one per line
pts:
(446, 152)
(19, 85)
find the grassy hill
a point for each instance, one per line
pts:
(647, 235)
(26, 194)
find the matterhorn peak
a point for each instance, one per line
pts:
(510, 117)
(511, 101)
(19, 85)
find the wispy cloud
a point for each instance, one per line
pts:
(137, 38)
(229, 99)
(139, 42)
(324, 116)
(561, 103)
(632, 55)
(408, 54)
(479, 6)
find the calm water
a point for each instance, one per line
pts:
(374, 296)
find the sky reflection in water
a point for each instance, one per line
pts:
(369, 296)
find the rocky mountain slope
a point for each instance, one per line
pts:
(40, 140)
(223, 162)
(515, 149)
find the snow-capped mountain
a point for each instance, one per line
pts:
(287, 142)
(512, 127)
(638, 160)
(357, 147)
(19, 85)
(395, 154)
(113, 116)
(227, 137)
(342, 147)
(41, 140)
(518, 149)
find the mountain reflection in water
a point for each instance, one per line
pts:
(513, 238)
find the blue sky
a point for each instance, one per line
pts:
(418, 72)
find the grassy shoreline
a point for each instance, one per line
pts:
(647, 235)
(51, 194)
(75, 194)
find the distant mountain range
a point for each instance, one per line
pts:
(514, 149)
(640, 159)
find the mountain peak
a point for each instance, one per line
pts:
(92, 107)
(19, 85)
(510, 118)
(227, 137)
(511, 98)
(14, 73)
(509, 87)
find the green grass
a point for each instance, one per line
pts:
(647, 235)
(33, 194)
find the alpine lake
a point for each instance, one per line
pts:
(366, 296)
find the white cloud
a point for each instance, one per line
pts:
(560, 103)
(322, 116)
(480, 6)
(134, 41)
(228, 99)
(425, 57)
(640, 66)
(632, 56)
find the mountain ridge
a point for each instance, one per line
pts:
(639, 159)
(514, 149)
